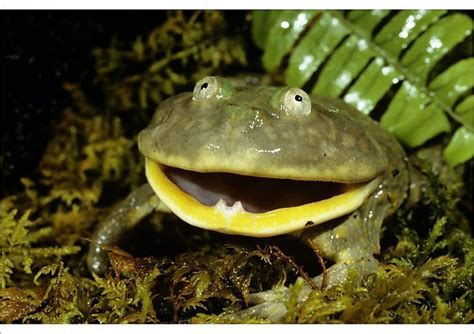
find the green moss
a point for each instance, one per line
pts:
(180, 51)
(18, 245)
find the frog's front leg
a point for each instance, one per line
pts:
(125, 216)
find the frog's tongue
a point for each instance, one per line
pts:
(253, 206)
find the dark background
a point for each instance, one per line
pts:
(40, 51)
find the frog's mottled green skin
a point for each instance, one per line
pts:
(247, 132)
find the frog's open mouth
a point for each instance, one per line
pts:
(255, 194)
(253, 206)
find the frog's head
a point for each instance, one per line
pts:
(259, 161)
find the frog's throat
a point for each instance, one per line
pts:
(236, 220)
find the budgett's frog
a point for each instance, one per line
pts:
(265, 161)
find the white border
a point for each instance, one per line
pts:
(235, 329)
(241, 4)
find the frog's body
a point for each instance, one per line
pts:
(262, 161)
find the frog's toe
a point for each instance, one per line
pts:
(266, 305)
(338, 273)
(276, 294)
(272, 311)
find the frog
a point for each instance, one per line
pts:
(262, 161)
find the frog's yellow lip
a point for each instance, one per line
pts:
(237, 218)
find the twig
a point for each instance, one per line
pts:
(274, 250)
(317, 252)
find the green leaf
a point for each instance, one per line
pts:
(371, 86)
(352, 56)
(428, 49)
(465, 111)
(366, 19)
(409, 119)
(305, 59)
(345, 64)
(461, 147)
(403, 28)
(261, 21)
(286, 28)
(454, 82)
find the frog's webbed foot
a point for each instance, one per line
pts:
(271, 304)
(123, 217)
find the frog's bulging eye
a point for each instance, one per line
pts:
(213, 88)
(205, 88)
(296, 102)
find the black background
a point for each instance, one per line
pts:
(40, 51)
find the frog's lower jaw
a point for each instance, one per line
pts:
(236, 219)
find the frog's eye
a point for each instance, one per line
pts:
(296, 102)
(213, 87)
(205, 88)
